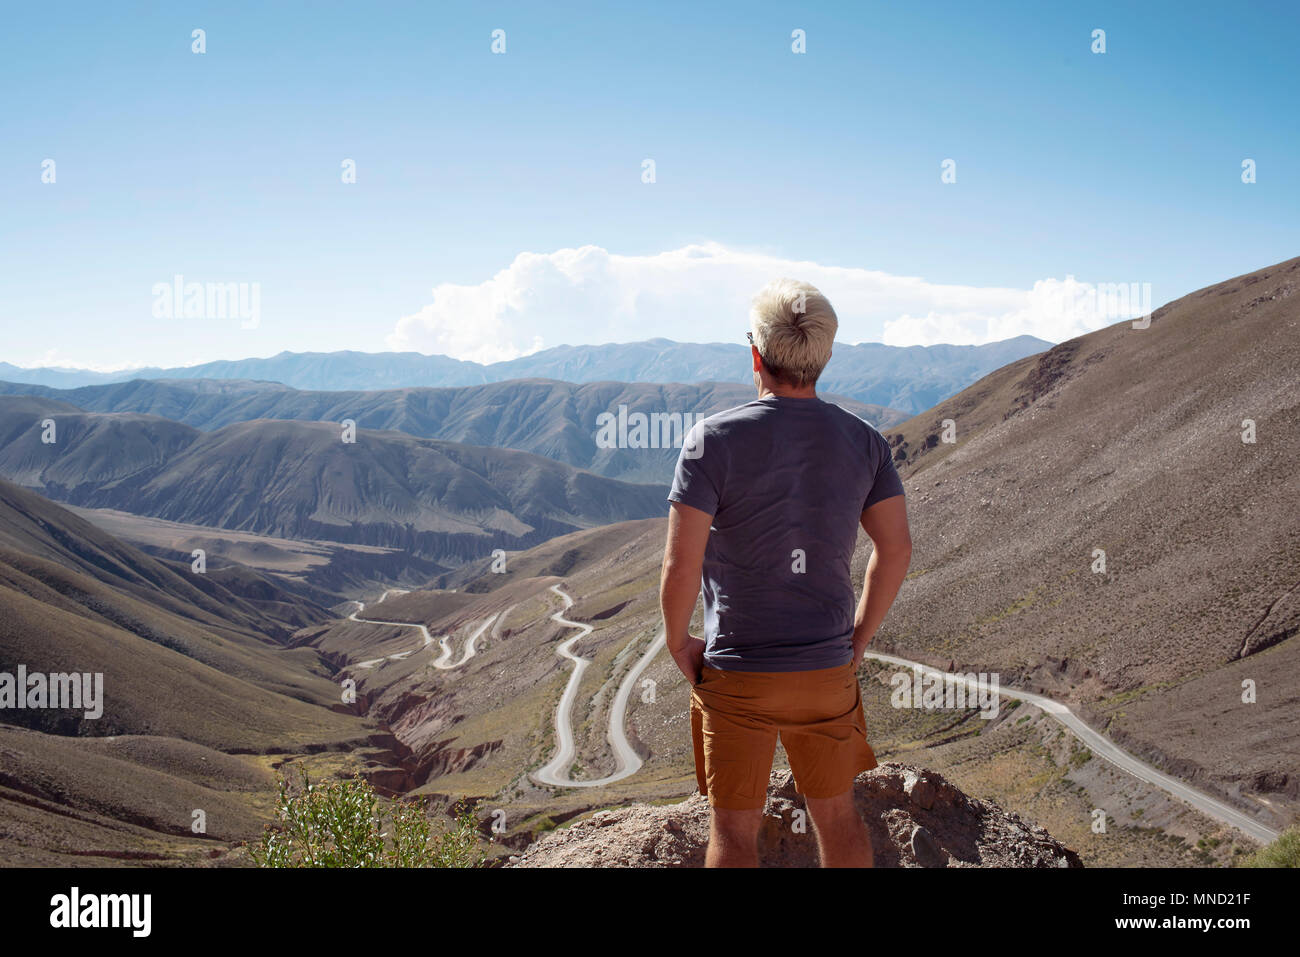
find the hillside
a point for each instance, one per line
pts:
(323, 573)
(436, 500)
(193, 674)
(556, 419)
(1130, 441)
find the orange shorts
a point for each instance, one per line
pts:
(737, 715)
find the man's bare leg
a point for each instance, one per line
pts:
(842, 838)
(733, 838)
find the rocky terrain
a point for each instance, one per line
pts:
(916, 818)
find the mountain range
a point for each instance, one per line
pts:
(436, 500)
(908, 378)
(559, 420)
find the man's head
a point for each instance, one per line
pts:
(792, 328)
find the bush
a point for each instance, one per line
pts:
(339, 824)
(1284, 852)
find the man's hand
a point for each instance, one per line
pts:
(860, 643)
(690, 658)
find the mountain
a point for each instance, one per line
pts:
(1129, 442)
(910, 378)
(192, 675)
(58, 377)
(437, 500)
(559, 420)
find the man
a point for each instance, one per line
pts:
(765, 509)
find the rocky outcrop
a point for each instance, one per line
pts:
(916, 818)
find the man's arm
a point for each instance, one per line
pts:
(886, 524)
(679, 585)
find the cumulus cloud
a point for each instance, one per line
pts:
(701, 293)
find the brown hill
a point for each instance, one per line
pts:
(1129, 441)
(437, 500)
(76, 600)
(190, 668)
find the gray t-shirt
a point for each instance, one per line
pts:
(786, 481)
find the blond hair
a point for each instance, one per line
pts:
(794, 328)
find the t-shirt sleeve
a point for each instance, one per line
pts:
(697, 481)
(887, 483)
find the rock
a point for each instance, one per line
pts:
(920, 789)
(926, 850)
(915, 817)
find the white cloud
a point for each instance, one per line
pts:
(701, 293)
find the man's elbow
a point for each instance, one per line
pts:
(897, 552)
(681, 572)
(678, 568)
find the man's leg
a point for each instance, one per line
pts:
(842, 838)
(825, 735)
(733, 838)
(734, 746)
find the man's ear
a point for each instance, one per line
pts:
(758, 360)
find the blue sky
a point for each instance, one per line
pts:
(499, 204)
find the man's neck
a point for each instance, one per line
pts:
(787, 392)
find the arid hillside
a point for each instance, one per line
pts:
(194, 680)
(1129, 442)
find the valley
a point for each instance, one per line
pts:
(1104, 532)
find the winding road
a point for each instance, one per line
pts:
(1106, 749)
(444, 661)
(627, 761)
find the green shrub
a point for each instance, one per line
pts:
(340, 824)
(1284, 852)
